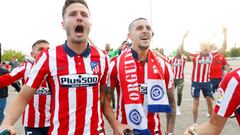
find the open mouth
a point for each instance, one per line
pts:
(145, 37)
(79, 29)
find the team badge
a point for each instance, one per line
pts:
(156, 92)
(220, 94)
(135, 117)
(94, 66)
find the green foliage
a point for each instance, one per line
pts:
(8, 54)
(235, 52)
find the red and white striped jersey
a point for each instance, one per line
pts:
(201, 67)
(37, 111)
(218, 63)
(228, 95)
(113, 82)
(75, 81)
(178, 64)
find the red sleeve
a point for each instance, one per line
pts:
(168, 75)
(112, 74)
(224, 61)
(104, 77)
(16, 74)
(39, 70)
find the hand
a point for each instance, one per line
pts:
(10, 129)
(119, 129)
(224, 29)
(186, 34)
(191, 131)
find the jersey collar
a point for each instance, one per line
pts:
(71, 53)
(135, 55)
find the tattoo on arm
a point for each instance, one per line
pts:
(106, 94)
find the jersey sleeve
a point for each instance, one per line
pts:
(16, 74)
(112, 73)
(228, 95)
(39, 70)
(168, 75)
(104, 77)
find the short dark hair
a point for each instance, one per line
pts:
(39, 42)
(131, 24)
(69, 2)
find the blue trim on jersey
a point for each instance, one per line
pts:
(159, 108)
(71, 53)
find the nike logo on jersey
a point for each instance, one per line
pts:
(78, 80)
(60, 68)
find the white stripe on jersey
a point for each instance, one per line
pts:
(72, 97)
(87, 127)
(26, 114)
(201, 71)
(47, 109)
(103, 66)
(37, 115)
(226, 98)
(207, 73)
(39, 65)
(196, 67)
(145, 99)
(27, 70)
(120, 93)
(53, 69)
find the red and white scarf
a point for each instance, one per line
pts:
(156, 89)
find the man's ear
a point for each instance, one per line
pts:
(63, 26)
(31, 53)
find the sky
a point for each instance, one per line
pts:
(23, 22)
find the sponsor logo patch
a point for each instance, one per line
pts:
(78, 80)
(220, 94)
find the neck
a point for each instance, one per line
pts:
(77, 47)
(142, 53)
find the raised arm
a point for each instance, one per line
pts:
(224, 45)
(182, 45)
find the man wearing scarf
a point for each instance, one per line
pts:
(144, 84)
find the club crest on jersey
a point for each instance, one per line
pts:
(156, 92)
(94, 66)
(135, 117)
(78, 80)
(220, 94)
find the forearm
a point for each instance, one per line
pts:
(17, 106)
(106, 99)
(172, 115)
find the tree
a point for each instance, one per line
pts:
(8, 54)
(235, 52)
